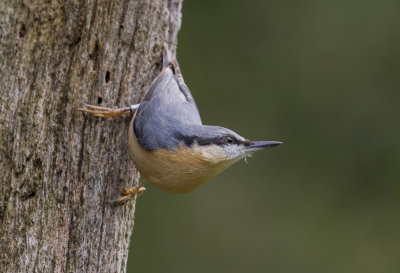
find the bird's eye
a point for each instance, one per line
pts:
(229, 140)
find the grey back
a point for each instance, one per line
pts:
(167, 111)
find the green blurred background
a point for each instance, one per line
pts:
(324, 78)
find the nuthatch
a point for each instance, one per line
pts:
(168, 143)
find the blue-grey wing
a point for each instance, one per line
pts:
(167, 108)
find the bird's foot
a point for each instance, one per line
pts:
(128, 194)
(105, 112)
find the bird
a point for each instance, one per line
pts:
(170, 146)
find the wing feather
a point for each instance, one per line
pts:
(168, 107)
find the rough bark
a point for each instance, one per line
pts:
(59, 168)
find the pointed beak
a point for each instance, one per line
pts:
(258, 145)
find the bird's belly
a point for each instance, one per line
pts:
(178, 171)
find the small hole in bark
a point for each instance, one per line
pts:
(77, 40)
(29, 194)
(32, 194)
(107, 76)
(99, 100)
(96, 51)
(37, 163)
(22, 31)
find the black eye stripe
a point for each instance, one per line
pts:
(231, 140)
(203, 141)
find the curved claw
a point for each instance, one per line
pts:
(130, 193)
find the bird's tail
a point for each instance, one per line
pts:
(169, 60)
(167, 56)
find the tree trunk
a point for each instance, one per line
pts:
(59, 168)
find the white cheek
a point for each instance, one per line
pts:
(217, 153)
(214, 153)
(233, 151)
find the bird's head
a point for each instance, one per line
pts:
(222, 145)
